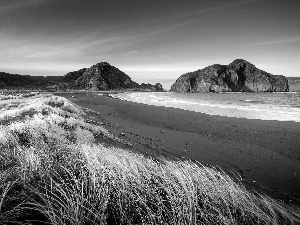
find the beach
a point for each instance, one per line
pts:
(263, 154)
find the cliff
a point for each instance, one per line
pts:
(238, 76)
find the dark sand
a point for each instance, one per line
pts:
(266, 154)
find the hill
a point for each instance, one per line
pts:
(17, 81)
(101, 76)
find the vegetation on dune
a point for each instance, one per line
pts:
(52, 170)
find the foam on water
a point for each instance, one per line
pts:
(264, 106)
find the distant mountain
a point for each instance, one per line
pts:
(238, 76)
(101, 76)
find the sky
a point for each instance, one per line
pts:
(150, 40)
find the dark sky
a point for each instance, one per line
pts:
(150, 40)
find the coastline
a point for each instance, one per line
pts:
(265, 154)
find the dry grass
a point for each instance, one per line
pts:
(19, 95)
(52, 168)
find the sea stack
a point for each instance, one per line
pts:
(238, 76)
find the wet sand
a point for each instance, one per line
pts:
(265, 154)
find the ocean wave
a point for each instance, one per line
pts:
(262, 107)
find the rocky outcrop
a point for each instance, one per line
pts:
(294, 84)
(238, 76)
(73, 76)
(158, 87)
(150, 87)
(103, 76)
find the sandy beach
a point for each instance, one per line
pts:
(265, 154)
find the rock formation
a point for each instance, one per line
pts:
(101, 76)
(294, 84)
(150, 87)
(73, 76)
(238, 76)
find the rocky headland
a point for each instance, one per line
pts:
(101, 76)
(238, 76)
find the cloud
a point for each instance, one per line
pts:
(60, 68)
(166, 28)
(133, 51)
(217, 8)
(158, 68)
(285, 40)
(180, 20)
(13, 4)
(38, 51)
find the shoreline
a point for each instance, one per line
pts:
(247, 105)
(265, 154)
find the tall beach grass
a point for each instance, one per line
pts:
(53, 171)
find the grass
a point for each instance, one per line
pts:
(52, 171)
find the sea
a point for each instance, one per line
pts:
(280, 106)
